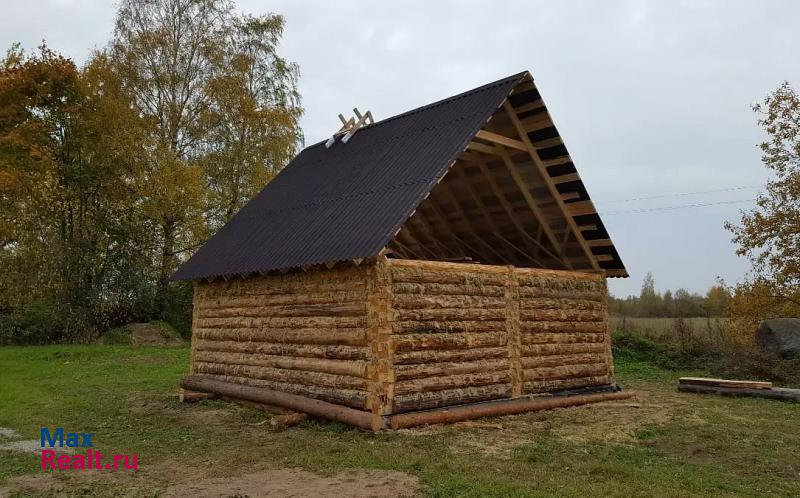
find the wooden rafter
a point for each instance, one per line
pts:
(452, 197)
(500, 139)
(479, 147)
(446, 226)
(510, 211)
(531, 202)
(444, 251)
(523, 135)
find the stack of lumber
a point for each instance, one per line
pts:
(726, 387)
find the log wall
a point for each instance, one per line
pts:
(466, 333)
(301, 333)
(403, 335)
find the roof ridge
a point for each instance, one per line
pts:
(443, 101)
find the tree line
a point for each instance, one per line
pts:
(650, 303)
(113, 171)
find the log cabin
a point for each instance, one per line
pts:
(442, 264)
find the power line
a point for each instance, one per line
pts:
(681, 194)
(673, 208)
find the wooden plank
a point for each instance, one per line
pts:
(746, 384)
(478, 147)
(775, 393)
(501, 140)
(570, 177)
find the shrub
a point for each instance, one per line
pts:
(37, 322)
(176, 308)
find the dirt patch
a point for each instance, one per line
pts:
(29, 484)
(298, 483)
(148, 334)
(8, 433)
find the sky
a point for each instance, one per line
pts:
(652, 98)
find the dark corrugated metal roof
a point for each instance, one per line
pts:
(346, 202)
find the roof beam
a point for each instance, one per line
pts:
(452, 197)
(510, 211)
(479, 147)
(531, 202)
(440, 214)
(512, 115)
(496, 138)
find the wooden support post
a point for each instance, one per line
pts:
(513, 331)
(380, 374)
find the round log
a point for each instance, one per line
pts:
(499, 408)
(314, 407)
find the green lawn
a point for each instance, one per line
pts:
(663, 444)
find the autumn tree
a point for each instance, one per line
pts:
(222, 109)
(769, 234)
(65, 193)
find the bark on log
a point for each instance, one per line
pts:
(407, 372)
(561, 304)
(531, 362)
(499, 408)
(436, 399)
(316, 379)
(448, 289)
(559, 275)
(281, 322)
(416, 342)
(421, 275)
(565, 372)
(458, 355)
(528, 338)
(347, 397)
(558, 281)
(413, 302)
(337, 367)
(289, 350)
(536, 387)
(353, 336)
(286, 311)
(446, 314)
(293, 402)
(563, 315)
(558, 349)
(445, 327)
(537, 293)
(312, 298)
(429, 384)
(569, 327)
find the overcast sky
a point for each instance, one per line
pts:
(652, 98)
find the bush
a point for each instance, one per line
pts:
(176, 308)
(720, 359)
(35, 323)
(117, 336)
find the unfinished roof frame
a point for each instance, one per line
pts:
(477, 211)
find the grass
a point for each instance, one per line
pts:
(665, 444)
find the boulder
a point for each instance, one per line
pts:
(780, 336)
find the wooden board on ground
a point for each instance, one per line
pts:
(744, 384)
(776, 393)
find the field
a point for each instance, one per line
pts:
(670, 329)
(663, 443)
